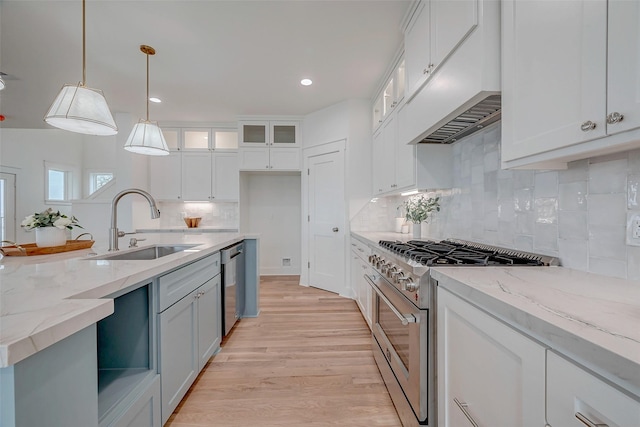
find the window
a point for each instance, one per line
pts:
(58, 181)
(98, 179)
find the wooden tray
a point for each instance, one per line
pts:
(32, 249)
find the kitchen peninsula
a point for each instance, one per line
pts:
(65, 316)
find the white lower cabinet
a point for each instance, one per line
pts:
(577, 398)
(361, 289)
(488, 373)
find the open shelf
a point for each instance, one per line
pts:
(114, 385)
(125, 360)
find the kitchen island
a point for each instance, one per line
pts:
(49, 309)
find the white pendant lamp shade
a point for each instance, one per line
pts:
(79, 108)
(83, 110)
(146, 138)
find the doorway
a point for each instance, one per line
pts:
(324, 182)
(7, 206)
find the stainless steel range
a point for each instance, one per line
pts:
(404, 314)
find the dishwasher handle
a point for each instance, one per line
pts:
(227, 254)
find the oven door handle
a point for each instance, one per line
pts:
(404, 318)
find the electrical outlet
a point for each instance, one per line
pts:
(633, 228)
(286, 262)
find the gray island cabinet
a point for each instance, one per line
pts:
(130, 368)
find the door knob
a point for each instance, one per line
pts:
(335, 229)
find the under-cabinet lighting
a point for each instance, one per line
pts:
(306, 82)
(409, 193)
(375, 199)
(156, 100)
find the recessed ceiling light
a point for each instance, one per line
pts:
(306, 82)
(153, 99)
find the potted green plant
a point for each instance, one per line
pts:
(51, 227)
(417, 210)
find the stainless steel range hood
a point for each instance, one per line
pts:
(468, 121)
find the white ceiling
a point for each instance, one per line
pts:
(214, 59)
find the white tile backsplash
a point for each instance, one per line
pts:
(573, 196)
(608, 177)
(577, 214)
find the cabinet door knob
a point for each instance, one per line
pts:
(614, 118)
(587, 126)
(425, 71)
(335, 229)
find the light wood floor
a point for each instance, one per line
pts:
(305, 361)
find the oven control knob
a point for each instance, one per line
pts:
(408, 284)
(391, 270)
(398, 276)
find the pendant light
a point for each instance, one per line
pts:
(146, 137)
(1, 83)
(81, 109)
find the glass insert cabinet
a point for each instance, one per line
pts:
(274, 134)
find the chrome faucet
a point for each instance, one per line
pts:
(113, 231)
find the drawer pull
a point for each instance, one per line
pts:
(463, 407)
(586, 421)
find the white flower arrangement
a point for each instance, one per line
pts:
(418, 208)
(49, 218)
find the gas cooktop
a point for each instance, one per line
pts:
(462, 253)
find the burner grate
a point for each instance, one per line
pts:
(461, 253)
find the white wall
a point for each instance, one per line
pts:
(270, 205)
(24, 151)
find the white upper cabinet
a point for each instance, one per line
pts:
(553, 97)
(269, 145)
(452, 57)
(165, 176)
(391, 96)
(202, 165)
(210, 176)
(196, 139)
(435, 30)
(570, 80)
(172, 138)
(201, 139)
(279, 134)
(623, 66)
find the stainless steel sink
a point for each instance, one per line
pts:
(146, 253)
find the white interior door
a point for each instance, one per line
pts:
(7, 206)
(327, 221)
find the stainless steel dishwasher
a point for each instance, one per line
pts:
(232, 260)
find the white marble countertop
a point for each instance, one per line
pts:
(46, 298)
(591, 318)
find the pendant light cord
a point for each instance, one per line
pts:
(147, 87)
(84, 61)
